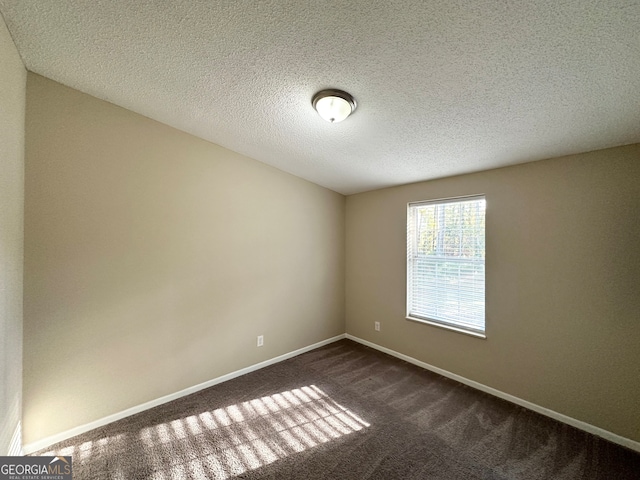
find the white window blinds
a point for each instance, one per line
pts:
(445, 262)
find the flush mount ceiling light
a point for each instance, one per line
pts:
(333, 105)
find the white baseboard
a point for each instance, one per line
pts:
(59, 437)
(10, 436)
(45, 442)
(15, 447)
(607, 435)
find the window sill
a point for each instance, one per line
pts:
(448, 327)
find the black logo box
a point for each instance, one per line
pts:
(36, 468)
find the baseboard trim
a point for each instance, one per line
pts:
(59, 437)
(15, 447)
(587, 427)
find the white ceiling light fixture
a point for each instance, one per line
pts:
(333, 105)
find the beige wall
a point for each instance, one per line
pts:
(562, 273)
(12, 97)
(153, 259)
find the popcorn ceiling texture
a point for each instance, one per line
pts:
(443, 87)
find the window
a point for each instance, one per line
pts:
(445, 263)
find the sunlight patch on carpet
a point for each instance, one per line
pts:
(229, 441)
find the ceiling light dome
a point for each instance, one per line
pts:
(333, 105)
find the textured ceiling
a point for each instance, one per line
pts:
(443, 87)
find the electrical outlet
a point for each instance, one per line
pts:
(260, 340)
(376, 325)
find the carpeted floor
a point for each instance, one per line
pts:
(343, 411)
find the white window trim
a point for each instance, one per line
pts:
(446, 326)
(432, 322)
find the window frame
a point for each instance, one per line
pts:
(478, 333)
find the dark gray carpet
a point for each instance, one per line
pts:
(343, 411)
